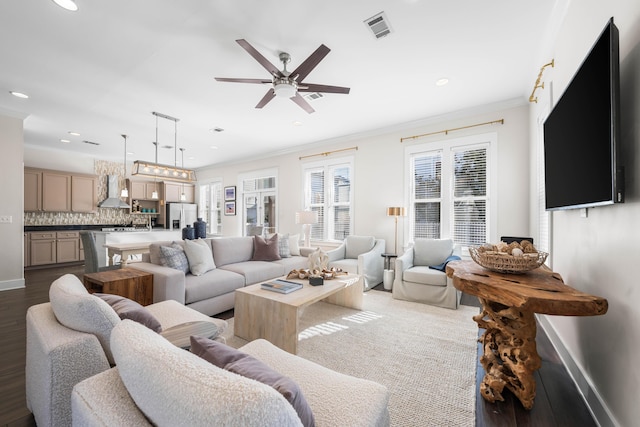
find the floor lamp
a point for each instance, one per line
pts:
(307, 218)
(396, 211)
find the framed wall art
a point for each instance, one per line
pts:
(230, 208)
(230, 193)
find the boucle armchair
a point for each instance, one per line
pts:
(420, 276)
(68, 340)
(360, 255)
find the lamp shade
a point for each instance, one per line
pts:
(395, 211)
(306, 217)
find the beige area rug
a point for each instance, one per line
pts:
(424, 355)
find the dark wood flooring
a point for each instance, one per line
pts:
(557, 403)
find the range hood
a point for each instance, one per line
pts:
(113, 194)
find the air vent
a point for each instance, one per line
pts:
(313, 96)
(91, 142)
(379, 25)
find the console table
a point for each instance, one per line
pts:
(509, 304)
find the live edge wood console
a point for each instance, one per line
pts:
(509, 303)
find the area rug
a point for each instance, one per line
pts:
(424, 355)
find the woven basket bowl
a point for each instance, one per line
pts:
(505, 263)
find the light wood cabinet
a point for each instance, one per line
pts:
(83, 194)
(56, 192)
(173, 191)
(32, 190)
(143, 190)
(51, 247)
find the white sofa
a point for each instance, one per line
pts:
(156, 383)
(213, 292)
(360, 255)
(417, 279)
(68, 340)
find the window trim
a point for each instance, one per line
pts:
(448, 146)
(328, 166)
(209, 183)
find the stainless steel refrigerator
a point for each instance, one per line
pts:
(181, 214)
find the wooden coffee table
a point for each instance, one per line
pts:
(130, 283)
(260, 313)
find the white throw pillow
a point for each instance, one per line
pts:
(199, 255)
(175, 387)
(294, 245)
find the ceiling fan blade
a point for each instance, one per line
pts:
(258, 81)
(258, 57)
(266, 98)
(311, 87)
(310, 63)
(302, 103)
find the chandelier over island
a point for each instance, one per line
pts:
(166, 172)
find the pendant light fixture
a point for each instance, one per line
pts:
(166, 172)
(183, 196)
(154, 194)
(125, 191)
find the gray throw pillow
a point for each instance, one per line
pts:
(265, 250)
(128, 309)
(174, 257)
(238, 362)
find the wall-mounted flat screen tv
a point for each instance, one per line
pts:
(581, 134)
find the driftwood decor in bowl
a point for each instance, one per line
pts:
(514, 258)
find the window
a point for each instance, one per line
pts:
(210, 206)
(449, 190)
(259, 201)
(328, 189)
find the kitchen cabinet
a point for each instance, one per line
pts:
(143, 190)
(83, 194)
(173, 191)
(51, 247)
(32, 190)
(57, 191)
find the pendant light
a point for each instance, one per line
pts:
(154, 195)
(183, 196)
(125, 191)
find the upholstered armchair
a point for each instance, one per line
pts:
(360, 255)
(420, 276)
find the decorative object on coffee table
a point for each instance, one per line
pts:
(509, 304)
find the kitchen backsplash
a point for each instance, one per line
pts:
(102, 216)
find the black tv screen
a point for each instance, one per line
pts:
(581, 134)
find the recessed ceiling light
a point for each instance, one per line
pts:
(67, 4)
(65, 141)
(19, 94)
(441, 82)
(74, 133)
(191, 158)
(216, 129)
(297, 123)
(214, 147)
(130, 153)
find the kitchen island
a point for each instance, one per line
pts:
(131, 238)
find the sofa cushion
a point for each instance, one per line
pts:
(229, 250)
(173, 387)
(199, 256)
(128, 309)
(174, 257)
(425, 275)
(265, 250)
(76, 309)
(357, 245)
(223, 356)
(155, 256)
(215, 283)
(256, 271)
(283, 246)
(294, 244)
(293, 263)
(431, 251)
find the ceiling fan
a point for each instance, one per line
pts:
(288, 84)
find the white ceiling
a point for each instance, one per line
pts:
(102, 70)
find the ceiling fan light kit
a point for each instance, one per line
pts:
(287, 84)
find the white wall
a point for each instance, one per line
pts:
(597, 254)
(11, 195)
(380, 170)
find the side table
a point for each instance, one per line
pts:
(130, 283)
(387, 278)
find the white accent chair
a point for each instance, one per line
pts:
(360, 255)
(415, 281)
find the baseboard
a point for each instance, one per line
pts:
(599, 410)
(11, 284)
